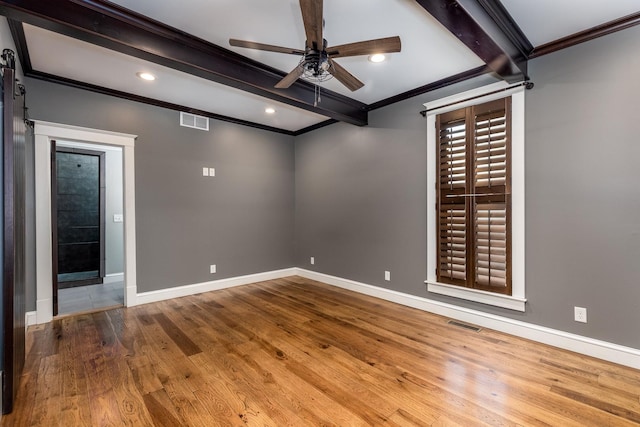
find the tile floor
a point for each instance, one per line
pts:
(91, 297)
(80, 275)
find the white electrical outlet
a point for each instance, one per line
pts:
(205, 171)
(212, 269)
(312, 260)
(212, 172)
(580, 314)
(387, 276)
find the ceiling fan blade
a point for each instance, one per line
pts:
(266, 47)
(312, 19)
(344, 77)
(290, 78)
(369, 47)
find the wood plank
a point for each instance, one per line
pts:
(75, 406)
(242, 356)
(157, 404)
(48, 399)
(368, 385)
(188, 347)
(173, 369)
(297, 352)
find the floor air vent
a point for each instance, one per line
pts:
(464, 325)
(192, 121)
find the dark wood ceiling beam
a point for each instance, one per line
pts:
(110, 26)
(496, 10)
(470, 22)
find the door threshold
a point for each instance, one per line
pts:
(89, 311)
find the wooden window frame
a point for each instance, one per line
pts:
(517, 300)
(461, 193)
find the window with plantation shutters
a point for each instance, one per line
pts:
(473, 197)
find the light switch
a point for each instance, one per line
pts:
(118, 218)
(212, 172)
(205, 171)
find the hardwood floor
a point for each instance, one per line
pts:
(297, 352)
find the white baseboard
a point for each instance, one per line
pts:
(30, 318)
(113, 277)
(591, 347)
(214, 285)
(44, 310)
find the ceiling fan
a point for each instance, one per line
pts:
(317, 60)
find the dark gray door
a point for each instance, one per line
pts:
(78, 216)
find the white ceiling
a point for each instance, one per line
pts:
(429, 52)
(77, 60)
(279, 22)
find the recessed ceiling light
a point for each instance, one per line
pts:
(270, 110)
(146, 76)
(378, 57)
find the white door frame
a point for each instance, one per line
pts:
(45, 132)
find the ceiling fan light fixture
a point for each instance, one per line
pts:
(146, 76)
(315, 68)
(317, 63)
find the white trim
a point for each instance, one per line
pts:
(476, 295)
(44, 133)
(113, 277)
(82, 134)
(591, 347)
(518, 300)
(214, 285)
(130, 269)
(100, 147)
(596, 348)
(30, 319)
(472, 97)
(518, 195)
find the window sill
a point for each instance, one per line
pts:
(483, 297)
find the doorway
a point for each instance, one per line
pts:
(88, 250)
(44, 133)
(78, 216)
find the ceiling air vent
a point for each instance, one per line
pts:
(192, 121)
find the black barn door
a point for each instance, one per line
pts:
(14, 130)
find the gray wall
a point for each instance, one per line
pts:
(114, 204)
(583, 192)
(361, 194)
(241, 220)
